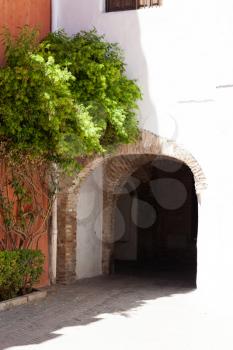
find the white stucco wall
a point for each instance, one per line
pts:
(179, 53)
(89, 228)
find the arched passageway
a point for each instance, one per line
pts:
(158, 166)
(156, 221)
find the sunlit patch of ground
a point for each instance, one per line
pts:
(117, 313)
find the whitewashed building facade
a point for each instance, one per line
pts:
(179, 52)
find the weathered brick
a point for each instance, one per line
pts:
(118, 166)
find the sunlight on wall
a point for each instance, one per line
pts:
(179, 54)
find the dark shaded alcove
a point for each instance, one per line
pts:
(156, 222)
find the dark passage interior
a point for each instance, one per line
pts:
(156, 222)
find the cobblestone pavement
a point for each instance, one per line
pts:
(118, 312)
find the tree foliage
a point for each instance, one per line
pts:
(61, 99)
(100, 83)
(65, 97)
(38, 113)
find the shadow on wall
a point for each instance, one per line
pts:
(124, 28)
(128, 35)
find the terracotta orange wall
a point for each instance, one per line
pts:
(41, 197)
(43, 246)
(14, 14)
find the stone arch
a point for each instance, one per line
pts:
(117, 167)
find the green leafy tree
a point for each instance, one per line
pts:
(39, 116)
(65, 97)
(100, 83)
(62, 99)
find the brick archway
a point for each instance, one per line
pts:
(118, 166)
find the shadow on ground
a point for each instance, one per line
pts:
(83, 303)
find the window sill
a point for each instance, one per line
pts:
(133, 10)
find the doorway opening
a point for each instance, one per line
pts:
(156, 222)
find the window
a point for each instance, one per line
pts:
(123, 5)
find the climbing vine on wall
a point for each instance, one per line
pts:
(25, 203)
(61, 100)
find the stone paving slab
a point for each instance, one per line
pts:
(120, 312)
